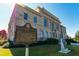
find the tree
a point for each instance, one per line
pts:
(77, 36)
(77, 33)
(3, 34)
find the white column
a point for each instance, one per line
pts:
(27, 50)
(44, 34)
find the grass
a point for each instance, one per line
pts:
(75, 50)
(42, 50)
(52, 50)
(18, 51)
(12, 51)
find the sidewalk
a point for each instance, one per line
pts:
(76, 44)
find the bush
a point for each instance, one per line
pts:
(47, 41)
(11, 45)
(77, 38)
(69, 41)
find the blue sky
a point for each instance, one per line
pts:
(68, 13)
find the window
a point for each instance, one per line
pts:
(35, 30)
(42, 34)
(45, 22)
(46, 34)
(57, 26)
(35, 19)
(52, 26)
(51, 35)
(49, 25)
(55, 35)
(25, 16)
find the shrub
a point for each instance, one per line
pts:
(47, 41)
(69, 41)
(11, 45)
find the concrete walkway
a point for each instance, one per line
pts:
(76, 44)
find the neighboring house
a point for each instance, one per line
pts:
(46, 24)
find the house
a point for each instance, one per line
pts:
(27, 26)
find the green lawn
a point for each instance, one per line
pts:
(45, 50)
(18, 51)
(52, 50)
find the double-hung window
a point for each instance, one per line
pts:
(52, 26)
(45, 22)
(35, 20)
(25, 16)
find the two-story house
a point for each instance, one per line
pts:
(46, 24)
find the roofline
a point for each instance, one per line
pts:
(48, 13)
(37, 13)
(28, 8)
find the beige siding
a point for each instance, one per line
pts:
(20, 21)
